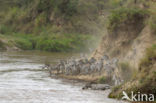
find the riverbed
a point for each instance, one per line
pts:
(23, 81)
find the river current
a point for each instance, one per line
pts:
(23, 81)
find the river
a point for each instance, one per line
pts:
(23, 81)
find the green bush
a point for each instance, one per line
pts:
(50, 45)
(23, 44)
(40, 20)
(115, 3)
(125, 14)
(66, 7)
(60, 43)
(5, 29)
(11, 15)
(53, 43)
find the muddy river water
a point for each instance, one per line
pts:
(23, 81)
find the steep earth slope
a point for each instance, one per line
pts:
(131, 38)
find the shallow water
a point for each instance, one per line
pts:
(23, 81)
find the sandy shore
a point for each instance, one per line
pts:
(80, 78)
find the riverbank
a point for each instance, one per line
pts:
(81, 78)
(89, 82)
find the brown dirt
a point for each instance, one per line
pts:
(126, 48)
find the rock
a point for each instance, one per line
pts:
(87, 86)
(96, 86)
(100, 86)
